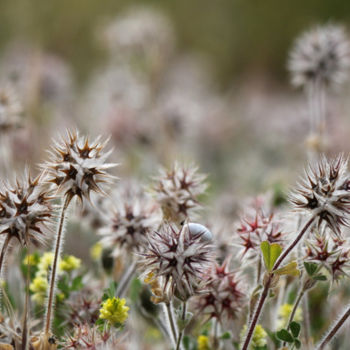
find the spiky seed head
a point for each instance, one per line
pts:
(26, 210)
(178, 258)
(324, 192)
(225, 293)
(10, 109)
(177, 191)
(78, 167)
(135, 215)
(321, 54)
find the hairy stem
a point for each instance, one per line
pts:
(306, 322)
(57, 249)
(125, 280)
(334, 329)
(183, 318)
(171, 322)
(3, 251)
(265, 291)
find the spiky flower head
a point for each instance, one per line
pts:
(225, 294)
(25, 210)
(177, 191)
(324, 192)
(77, 166)
(259, 223)
(321, 54)
(135, 215)
(10, 109)
(179, 258)
(329, 251)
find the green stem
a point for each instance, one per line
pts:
(183, 318)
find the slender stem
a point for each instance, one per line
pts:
(334, 329)
(264, 293)
(57, 249)
(25, 330)
(125, 280)
(258, 274)
(216, 342)
(306, 322)
(183, 318)
(3, 250)
(169, 313)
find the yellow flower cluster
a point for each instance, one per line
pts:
(284, 313)
(203, 343)
(114, 311)
(96, 251)
(258, 339)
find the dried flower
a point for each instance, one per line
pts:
(25, 210)
(136, 214)
(225, 293)
(325, 193)
(179, 257)
(77, 166)
(177, 191)
(114, 311)
(321, 54)
(10, 109)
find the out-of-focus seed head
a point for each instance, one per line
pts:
(324, 192)
(26, 210)
(10, 109)
(331, 252)
(178, 258)
(78, 167)
(225, 293)
(177, 191)
(136, 214)
(321, 54)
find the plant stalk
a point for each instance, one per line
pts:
(173, 330)
(183, 318)
(3, 251)
(125, 280)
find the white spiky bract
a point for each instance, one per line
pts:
(324, 192)
(135, 215)
(179, 258)
(321, 54)
(77, 166)
(25, 210)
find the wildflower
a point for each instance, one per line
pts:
(25, 211)
(77, 166)
(283, 315)
(96, 251)
(177, 191)
(45, 263)
(224, 294)
(39, 287)
(31, 259)
(114, 311)
(258, 339)
(179, 257)
(203, 343)
(321, 54)
(324, 192)
(10, 109)
(69, 263)
(134, 217)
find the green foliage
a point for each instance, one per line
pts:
(291, 336)
(270, 252)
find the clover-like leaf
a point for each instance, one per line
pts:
(295, 328)
(310, 268)
(270, 252)
(284, 335)
(290, 269)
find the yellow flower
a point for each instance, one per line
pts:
(284, 313)
(203, 343)
(114, 310)
(45, 262)
(96, 251)
(31, 259)
(39, 287)
(70, 263)
(258, 339)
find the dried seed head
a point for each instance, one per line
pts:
(177, 191)
(135, 216)
(10, 109)
(179, 258)
(78, 167)
(321, 54)
(329, 251)
(25, 210)
(226, 293)
(325, 193)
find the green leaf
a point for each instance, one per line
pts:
(297, 343)
(320, 277)
(295, 328)
(310, 268)
(226, 335)
(270, 252)
(290, 269)
(186, 342)
(77, 283)
(284, 335)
